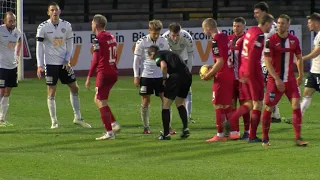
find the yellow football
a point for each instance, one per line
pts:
(204, 69)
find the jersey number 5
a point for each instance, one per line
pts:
(245, 48)
(113, 54)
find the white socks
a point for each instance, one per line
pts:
(276, 112)
(144, 111)
(52, 108)
(75, 103)
(4, 106)
(188, 103)
(306, 101)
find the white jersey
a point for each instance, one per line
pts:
(315, 66)
(54, 40)
(183, 47)
(273, 30)
(150, 68)
(8, 41)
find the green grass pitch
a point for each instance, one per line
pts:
(31, 150)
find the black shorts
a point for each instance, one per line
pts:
(178, 86)
(265, 73)
(150, 86)
(55, 72)
(8, 78)
(313, 81)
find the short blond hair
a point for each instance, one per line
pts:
(100, 20)
(210, 23)
(155, 25)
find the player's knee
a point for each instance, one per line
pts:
(7, 92)
(257, 105)
(248, 104)
(218, 106)
(308, 92)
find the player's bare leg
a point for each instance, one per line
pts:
(144, 111)
(106, 116)
(297, 121)
(255, 120)
(171, 131)
(4, 105)
(306, 100)
(220, 118)
(52, 105)
(75, 103)
(183, 115)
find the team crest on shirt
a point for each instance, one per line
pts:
(272, 95)
(63, 30)
(161, 45)
(292, 41)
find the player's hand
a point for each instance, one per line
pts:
(87, 84)
(206, 77)
(299, 80)
(136, 81)
(280, 85)
(243, 80)
(39, 71)
(66, 66)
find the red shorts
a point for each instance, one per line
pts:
(273, 95)
(253, 89)
(104, 83)
(222, 93)
(236, 85)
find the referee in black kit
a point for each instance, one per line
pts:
(176, 87)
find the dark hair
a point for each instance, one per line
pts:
(314, 17)
(53, 4)
(263, 6)
(266, 18)
(240, 20)
(174, 27)
(153, 49)
(285, 16)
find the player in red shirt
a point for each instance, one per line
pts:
(251, 79)
(239, 25)
(104, 63)
(280, 51)
(223, 74)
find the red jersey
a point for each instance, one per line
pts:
(221, 49)
(104, 55)
(236, 47)
(253, 44)
(282, 52)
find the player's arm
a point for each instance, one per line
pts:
(39, 46)
(268, 54)
(69, 44)
(315, 52)
(190, 50)
(219, 60)
(163, 66)
(137, 58)
(255, 54)
(299, 63)
(18, 49)
(95, 57)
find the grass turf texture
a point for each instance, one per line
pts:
(30, 150)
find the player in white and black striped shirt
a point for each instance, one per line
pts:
(260, 9)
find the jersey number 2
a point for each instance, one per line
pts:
(113, 54)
